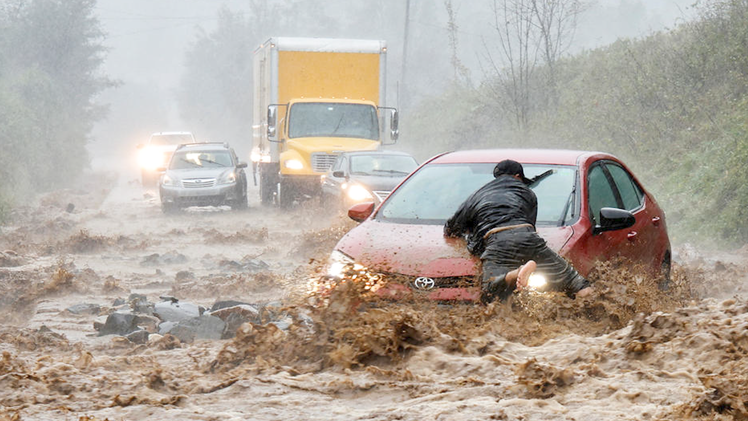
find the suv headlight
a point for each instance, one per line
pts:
(358, 193)
(229, 178)
(167, 181)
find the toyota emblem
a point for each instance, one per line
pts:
(423, 282)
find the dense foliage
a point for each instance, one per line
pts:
(674, 105)
(50, 51)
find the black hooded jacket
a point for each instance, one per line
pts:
(501, 202)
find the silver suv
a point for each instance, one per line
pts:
(203, 174)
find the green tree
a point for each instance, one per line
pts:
(50, 52)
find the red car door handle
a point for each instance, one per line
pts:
(632, 235)
(656, 221)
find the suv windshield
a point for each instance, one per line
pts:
(382, 165)
(200, 159)
(171, 139)
(310, 119)
(434, 193)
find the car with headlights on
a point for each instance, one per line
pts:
(364, 176)
(591, 209)
(156, 153)
(203, 174)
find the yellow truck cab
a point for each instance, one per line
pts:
(313, 99)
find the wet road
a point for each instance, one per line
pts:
(627, 353)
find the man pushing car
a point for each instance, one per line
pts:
(499, 222)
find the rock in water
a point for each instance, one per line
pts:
(84, 308)
(203, 327)
(170, 311)
(119, 324)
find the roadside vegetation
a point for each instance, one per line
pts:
(673, 104)
(50, 51)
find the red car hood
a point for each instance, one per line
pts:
(421, 250)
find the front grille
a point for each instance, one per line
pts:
(452, 282)
(194, 183)
(322, 162)
(439, 282)
(381, 195)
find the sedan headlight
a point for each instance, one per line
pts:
(229, 178)
(344, 269)
(537, 281)
(339, 262)
(294, 164)
(358, 193)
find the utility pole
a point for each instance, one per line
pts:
(405, 50)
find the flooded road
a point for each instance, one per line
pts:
(629, 352)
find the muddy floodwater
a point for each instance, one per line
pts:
(628, 352)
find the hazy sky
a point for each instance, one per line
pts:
(147, 40)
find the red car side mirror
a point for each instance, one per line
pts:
(359, 212)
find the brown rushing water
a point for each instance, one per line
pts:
(628, 352)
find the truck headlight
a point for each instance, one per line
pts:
(294, 164)
(229, 178)
(358, 193)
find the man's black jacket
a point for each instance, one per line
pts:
(503, 201)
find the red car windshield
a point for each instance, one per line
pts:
(434, 193)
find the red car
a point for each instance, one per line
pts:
(591, 208)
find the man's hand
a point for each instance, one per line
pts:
(449, 233)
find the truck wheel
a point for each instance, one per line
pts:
(268, 181)
(266, 189)
(284, 194)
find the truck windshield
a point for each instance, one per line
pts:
(315, 119)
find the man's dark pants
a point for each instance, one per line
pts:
(510, 249)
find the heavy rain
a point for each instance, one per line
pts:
(200, 216)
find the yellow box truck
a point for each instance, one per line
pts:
(313, 99)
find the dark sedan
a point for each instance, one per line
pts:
(366, 176)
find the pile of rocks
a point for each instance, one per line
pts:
(136, 318)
